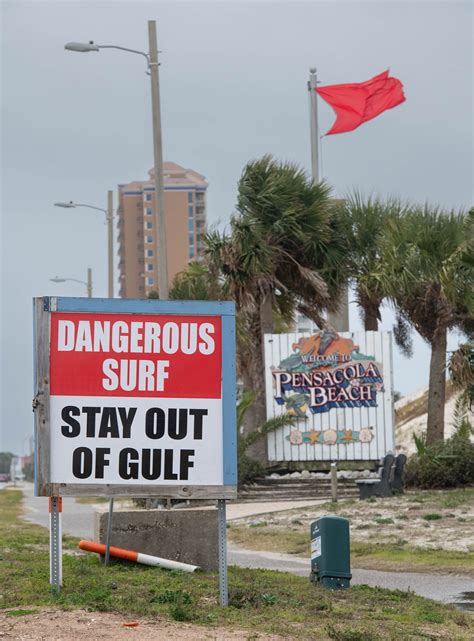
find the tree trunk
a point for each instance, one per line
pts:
(255, 417)
(371, 322)
(437, 387)
(253, 376)
(266, 316)
(371, 317)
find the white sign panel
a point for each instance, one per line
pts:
(136, 401)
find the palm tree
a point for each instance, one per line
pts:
(365, 221)
(195, 282)
(284, 252)
(297, 221)
(461, 369)
(461, 362)
(422, 276)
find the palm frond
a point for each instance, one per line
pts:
(269, 426)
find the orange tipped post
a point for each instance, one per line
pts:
(136, 557)
(119, 553)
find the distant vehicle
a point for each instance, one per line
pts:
(19, 477)
(4, 478)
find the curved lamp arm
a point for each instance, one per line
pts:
(63, 280)
(86, 47)
(73, 205)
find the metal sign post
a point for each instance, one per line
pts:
(55, 543)
(222, 543)
(109, 531)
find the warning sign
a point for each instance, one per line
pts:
(137, 399)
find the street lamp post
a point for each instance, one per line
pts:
(87, 283)
(109, 216)
(152, 64)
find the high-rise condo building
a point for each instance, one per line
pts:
(185, 223)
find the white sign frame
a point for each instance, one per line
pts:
(44, 485)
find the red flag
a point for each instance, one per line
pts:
(357, 102)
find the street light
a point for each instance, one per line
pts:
(82, 47)
(109, 216)
(87, 283)
(152, 70)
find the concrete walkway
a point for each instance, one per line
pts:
(78, 520)
(241, 510)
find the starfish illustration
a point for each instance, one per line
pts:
(347, 438)
(313, 437)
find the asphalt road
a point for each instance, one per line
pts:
(78, 520)
(446, 587)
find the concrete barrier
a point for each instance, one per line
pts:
(187, 536)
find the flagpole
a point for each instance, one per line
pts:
(340, 320)
(313, 113)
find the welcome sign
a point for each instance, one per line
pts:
(327, 371)
(339, 391)
(138, 400)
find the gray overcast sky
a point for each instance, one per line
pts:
(233, 84)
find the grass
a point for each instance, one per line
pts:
(260, 601)
(19, 613)
(390, 556)
(432, 517)
(443, 499)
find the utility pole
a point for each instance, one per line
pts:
(89, 282)
(110, 242)
(160, 230)
(340, 320)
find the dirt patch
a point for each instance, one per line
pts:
(430, 520)
(60, 625)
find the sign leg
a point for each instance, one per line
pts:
(222, 543)
(109, 531)
(55, 544)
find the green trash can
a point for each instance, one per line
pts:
(330, 552)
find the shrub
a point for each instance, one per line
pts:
(446, 464)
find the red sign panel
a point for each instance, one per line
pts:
(136, 355)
